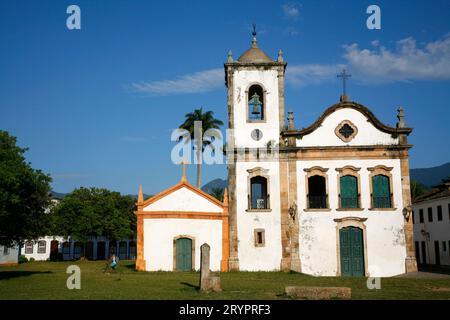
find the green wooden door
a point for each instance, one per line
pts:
(184, 254)
(381, 192)
(349, 192)
(352, 251)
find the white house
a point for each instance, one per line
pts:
(331, 199)
(431, 212)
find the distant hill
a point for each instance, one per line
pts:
(431, 177)
(216, 183)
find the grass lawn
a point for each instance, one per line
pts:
(47, 280)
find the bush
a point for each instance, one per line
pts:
(22, 259)
(31, 259)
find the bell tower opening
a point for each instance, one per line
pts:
(256, 103)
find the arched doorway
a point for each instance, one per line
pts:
(101, 247)
(352, 251)
(183, 254)
(54, 244)
(89, 250)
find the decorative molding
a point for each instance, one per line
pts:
(316, 168)
(352, 105)
(258, 171)
(352, 168)
(358, 219)
(380, 167)
(341, 136)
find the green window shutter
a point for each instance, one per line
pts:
(381, 192)
(349, 192)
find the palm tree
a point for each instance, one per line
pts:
(208, 122)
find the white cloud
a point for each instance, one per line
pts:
(407, 62)
(202, 81)
(306, 74)
(291, 10)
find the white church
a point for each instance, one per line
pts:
(331, 199)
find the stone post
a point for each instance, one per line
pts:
(208, 281)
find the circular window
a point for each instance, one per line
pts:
(257, 134)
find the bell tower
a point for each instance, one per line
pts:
(256, 116)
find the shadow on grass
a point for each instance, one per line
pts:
(190, 285)
(6, 275)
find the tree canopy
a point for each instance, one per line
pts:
(24, 195)
(94, 212)
(417, 189)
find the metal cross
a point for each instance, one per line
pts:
(344, 75)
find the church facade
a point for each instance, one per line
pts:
(331, 199)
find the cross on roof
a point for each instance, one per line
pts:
(344, 75)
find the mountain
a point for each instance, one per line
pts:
(431, 177)
(216, 183)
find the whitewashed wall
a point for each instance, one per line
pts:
(270, 128)
(160, 233)
(367, 133)
(386, 251)
(253, 258)
(439, 230)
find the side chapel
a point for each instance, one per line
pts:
(331, 199)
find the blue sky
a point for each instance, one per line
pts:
(96, 106)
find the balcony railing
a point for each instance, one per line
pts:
(382, 202)
(317, 202)
(260, 203)
(349, 202)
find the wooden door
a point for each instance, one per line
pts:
(352, 251)
(184, 254)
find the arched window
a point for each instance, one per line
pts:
(381, 191)
(42, 246)
(29, 247)
(258, 193)
(255, 103)
(349, 192)
(317, 192)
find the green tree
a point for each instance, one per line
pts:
(217, 193)
(208, 122)
(417, 189)
(24, 195)
(94, 212)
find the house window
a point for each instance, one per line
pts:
(260, 240)
(444, 246)
(381, 192)
(29, 247)
(414, 222)
(349, 192)
(421, 219)
(5, 250)
(439, 213)
(256, 107)
(258, 193)
(41, 246)
(430, 214)
(317, 192)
